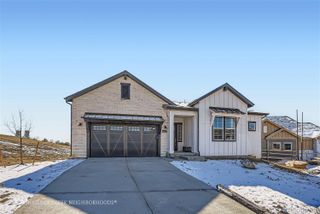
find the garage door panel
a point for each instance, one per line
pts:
(149, 141)
(116, 141)
(98, 141)
(134, 141)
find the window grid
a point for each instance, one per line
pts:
(99, 128)
(134, 129)
(116, 128)
(224, 129)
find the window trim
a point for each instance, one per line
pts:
(212, 130)
(224, 130)
(255, 126)
(287, 143)
(179, 140)
(129, 91)
(279, 143)
(265, 129)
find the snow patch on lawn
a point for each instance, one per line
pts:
(21, 182)
(274, 189)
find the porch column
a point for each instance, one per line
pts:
(171, 132)
(195, 133)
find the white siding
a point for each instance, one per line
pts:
(244, 145)
(254, 137)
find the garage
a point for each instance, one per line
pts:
(123, 135)
(114, 140)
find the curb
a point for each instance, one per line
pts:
(245, 202)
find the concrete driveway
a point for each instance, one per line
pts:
(129, 185)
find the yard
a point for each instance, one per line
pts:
(274, 189)
(21, 182)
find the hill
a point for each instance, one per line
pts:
(10, 148)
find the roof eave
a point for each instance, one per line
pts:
(110, 79)
(229, 87)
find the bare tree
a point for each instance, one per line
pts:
(16, 126)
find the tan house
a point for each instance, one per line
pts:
(279, 139)
(123, 116)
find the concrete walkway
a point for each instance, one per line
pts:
(129, 185)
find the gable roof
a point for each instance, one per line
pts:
(310, 130)
(225, 86)
(110, 79)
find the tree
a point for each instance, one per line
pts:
(16, 126)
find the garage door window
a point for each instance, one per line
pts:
(134, 129)
(99, 128)
(116, 128)
(148, 129)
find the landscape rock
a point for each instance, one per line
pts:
(248, 164)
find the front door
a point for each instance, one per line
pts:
(177, 135)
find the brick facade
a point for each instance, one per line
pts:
(107, 99)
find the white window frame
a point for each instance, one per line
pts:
(234, 129)
(273, 143)
(265, 129)
(255, 126)
(287, 143)
(222, 129)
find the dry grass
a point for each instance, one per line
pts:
(46, 152)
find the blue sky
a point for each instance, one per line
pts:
(268, 50)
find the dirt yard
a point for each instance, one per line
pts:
(10, 147)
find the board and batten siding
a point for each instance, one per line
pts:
(245, 144)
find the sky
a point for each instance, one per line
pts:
(267, 50)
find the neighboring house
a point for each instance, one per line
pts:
(123, 116)
(279, 139)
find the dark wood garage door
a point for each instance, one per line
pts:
(123, 140)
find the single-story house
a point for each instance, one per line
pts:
(123, 116)
(279, 139)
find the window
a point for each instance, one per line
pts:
(134, 129)
(224, 128)
(116, 128)
(276, 146)
(179, 132)
(230, 128)
(148, 129)
(99, 128)
(252, 126)
(125, 91)
(218, 127)
(265, 129)
(287, 146)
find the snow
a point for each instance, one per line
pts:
(21, 182)
(313, 170)
(274, 189)
(182, 103)
(309, 129)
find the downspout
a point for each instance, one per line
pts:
(70, 127)
(198, 150)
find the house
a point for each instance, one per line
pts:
(123, 116)
(279, 139)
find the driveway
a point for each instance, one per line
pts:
(129, 185)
